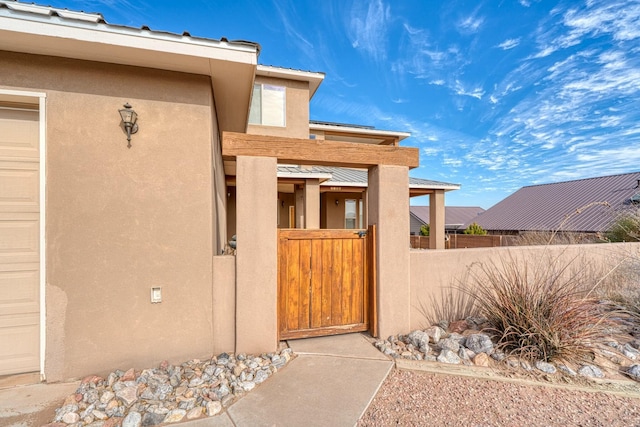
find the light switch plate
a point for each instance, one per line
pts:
(156, 295)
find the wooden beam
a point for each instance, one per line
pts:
(316, 151)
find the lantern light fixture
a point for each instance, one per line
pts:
(129, 121)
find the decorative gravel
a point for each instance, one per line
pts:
(412, 398)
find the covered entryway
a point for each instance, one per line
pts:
(256, 159)
(19, 239)
(325, 282)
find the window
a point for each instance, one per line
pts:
(268, 105)
(350, 214)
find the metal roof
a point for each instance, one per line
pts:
(346, 177)
(453, 215)
(584, 205)
(97, 20)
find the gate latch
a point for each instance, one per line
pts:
(362, 233)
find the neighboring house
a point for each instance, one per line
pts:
(584, 206)
(454, 217)
(111, 234)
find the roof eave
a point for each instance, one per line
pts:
(313, 78)
(231, 66)
(359, 130)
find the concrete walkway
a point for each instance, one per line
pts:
(330, 382)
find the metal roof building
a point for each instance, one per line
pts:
(586, 205)
(454, 217)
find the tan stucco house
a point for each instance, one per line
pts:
(112, 251)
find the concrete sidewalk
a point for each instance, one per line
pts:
(32, 405)
(330, 382)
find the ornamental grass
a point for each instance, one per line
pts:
(541, 309)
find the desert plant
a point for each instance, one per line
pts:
(540, 310)
(453, 303)
(474, 228)
(534, 238)
(622, 286)
(424, 230)
(626, 228)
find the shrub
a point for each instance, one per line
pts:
(542, 310)
(424, 230)
(626, 228)
(474, 228)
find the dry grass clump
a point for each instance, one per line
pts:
(541, 309)
(534, 238)
(622, 286)
(452, 304)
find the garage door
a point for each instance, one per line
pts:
(19, 240)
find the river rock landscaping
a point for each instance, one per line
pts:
(463, 343)
(168, 393)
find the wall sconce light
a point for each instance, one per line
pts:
(282, 203)
(337, 202)
(129, 118)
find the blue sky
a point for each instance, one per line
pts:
(496, 94)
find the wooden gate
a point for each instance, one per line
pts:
(326, 282)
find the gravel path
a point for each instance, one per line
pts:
(412, 398)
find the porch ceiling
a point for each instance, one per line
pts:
(316, 152)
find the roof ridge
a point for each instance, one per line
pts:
(581, 179)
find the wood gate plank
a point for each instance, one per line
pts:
(317, 266)
(336, 283)
(293, 280)
(304, 284)
(326, 275)
(347, 274)
(357, 300)
(282, 284)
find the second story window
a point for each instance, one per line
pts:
(268, 105)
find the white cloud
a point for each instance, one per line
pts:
(369, 27)
(477, 92)
(509, 44)
(289, 25)
(619, 20)
(470, 24)
(438, 82)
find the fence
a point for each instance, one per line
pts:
(460, 241)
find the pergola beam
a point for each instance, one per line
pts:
(317, 151)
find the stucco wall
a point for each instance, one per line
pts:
(333, 215)
(120, 220)
(434, 270)
(297, 107)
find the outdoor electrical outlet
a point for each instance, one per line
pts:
(156, 295)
